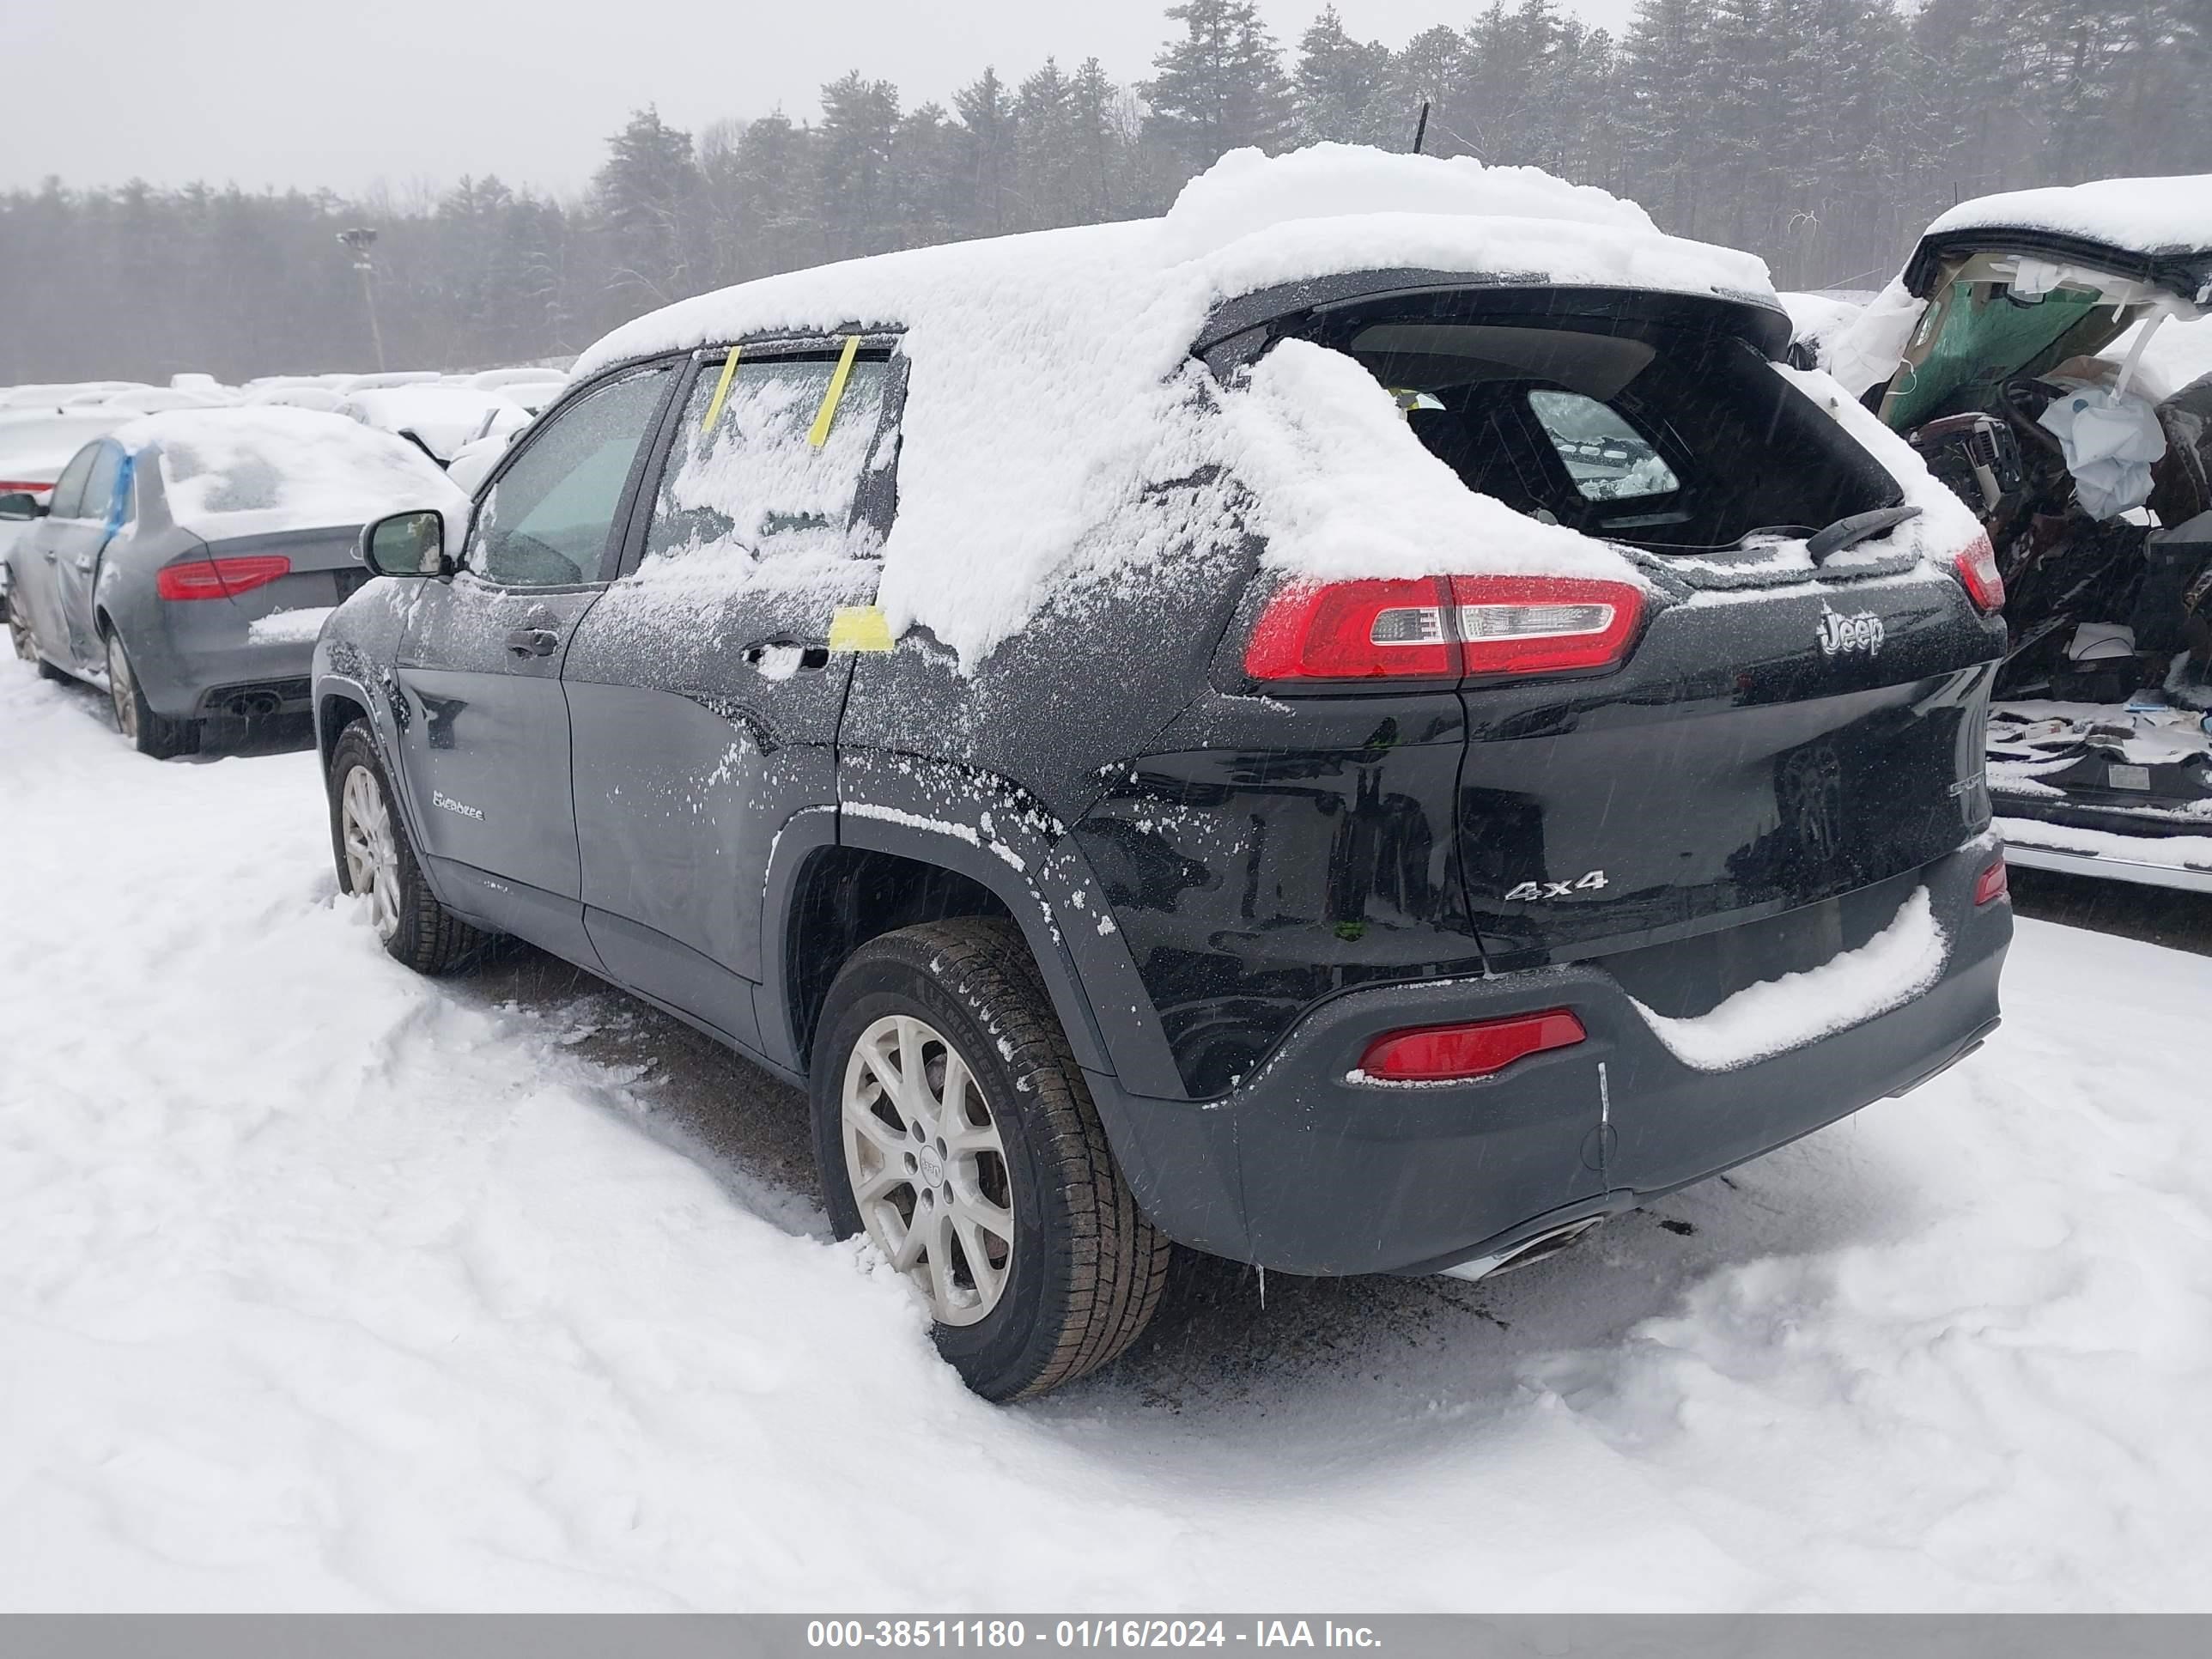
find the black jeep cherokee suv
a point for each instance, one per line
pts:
(1339, 923)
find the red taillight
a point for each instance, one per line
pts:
(10, 487)
(1992, 884)
(1354, 630)
(1444, 1054)
(1544, 624)
(1977, 565)
(219, 579)
(1441, 627)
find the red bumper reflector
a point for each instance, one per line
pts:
(1444, 1054)
(1992, 885)
(219, 579)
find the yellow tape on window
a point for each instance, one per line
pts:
(828, 412)
(721, 390)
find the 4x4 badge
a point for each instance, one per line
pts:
(1862, 632)
(1591, 882)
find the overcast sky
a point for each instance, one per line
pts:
(407, 93)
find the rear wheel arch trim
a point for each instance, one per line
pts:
(815, 829)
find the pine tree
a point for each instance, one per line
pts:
(986, 149)
(1220, 87)
(1342, 88)
(852, 171)
(644, 193)
(1424, 74)
(1103, 127)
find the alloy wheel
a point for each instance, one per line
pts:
(120, 690)
(372, 853)
(927, 1166)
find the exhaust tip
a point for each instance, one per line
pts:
(1521, 1254)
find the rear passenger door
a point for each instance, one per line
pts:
(38, 561)
(704, 693)
(484, 743)
(98, 513)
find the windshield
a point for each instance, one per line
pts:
(1641, 418)
(1981, 331)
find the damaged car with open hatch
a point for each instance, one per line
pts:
(2019, 352)
(1366, 726)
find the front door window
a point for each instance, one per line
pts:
(547, 520)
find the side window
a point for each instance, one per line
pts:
(69, 489)
(771, 460)
(101, 484)
(1608, 459)
(546, 520)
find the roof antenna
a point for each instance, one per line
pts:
(1421, 127)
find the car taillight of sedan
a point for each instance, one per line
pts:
(219, 579)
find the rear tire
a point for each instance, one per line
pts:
(149, 733)
(999, 1155)
(19, 633)
(368, 839)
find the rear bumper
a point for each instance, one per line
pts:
(199, 671)
(1302, 1169)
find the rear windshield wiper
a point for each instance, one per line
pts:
(1851, 531)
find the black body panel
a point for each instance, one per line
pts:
(1305, 1169)
(486, 749)
(1251, 879)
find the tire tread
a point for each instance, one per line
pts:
(1113, 1261)
(431, 938)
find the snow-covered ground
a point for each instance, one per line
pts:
(325, 1286)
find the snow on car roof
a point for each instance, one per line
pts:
(2141, 215)
(251, 470)
(1051, 383)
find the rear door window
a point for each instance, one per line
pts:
(777, 457)
(68, 489)
(103, 484)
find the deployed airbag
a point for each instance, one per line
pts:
(2110, 443)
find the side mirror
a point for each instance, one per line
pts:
(21, 504)
(406, 544)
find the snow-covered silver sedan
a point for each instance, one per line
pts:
(185, 561)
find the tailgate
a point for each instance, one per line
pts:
(1759, 752)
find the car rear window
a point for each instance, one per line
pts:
(1641, 419)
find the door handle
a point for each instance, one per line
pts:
(52, 557)
(790, 656)
(532, 642)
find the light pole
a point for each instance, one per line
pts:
(360, 239)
